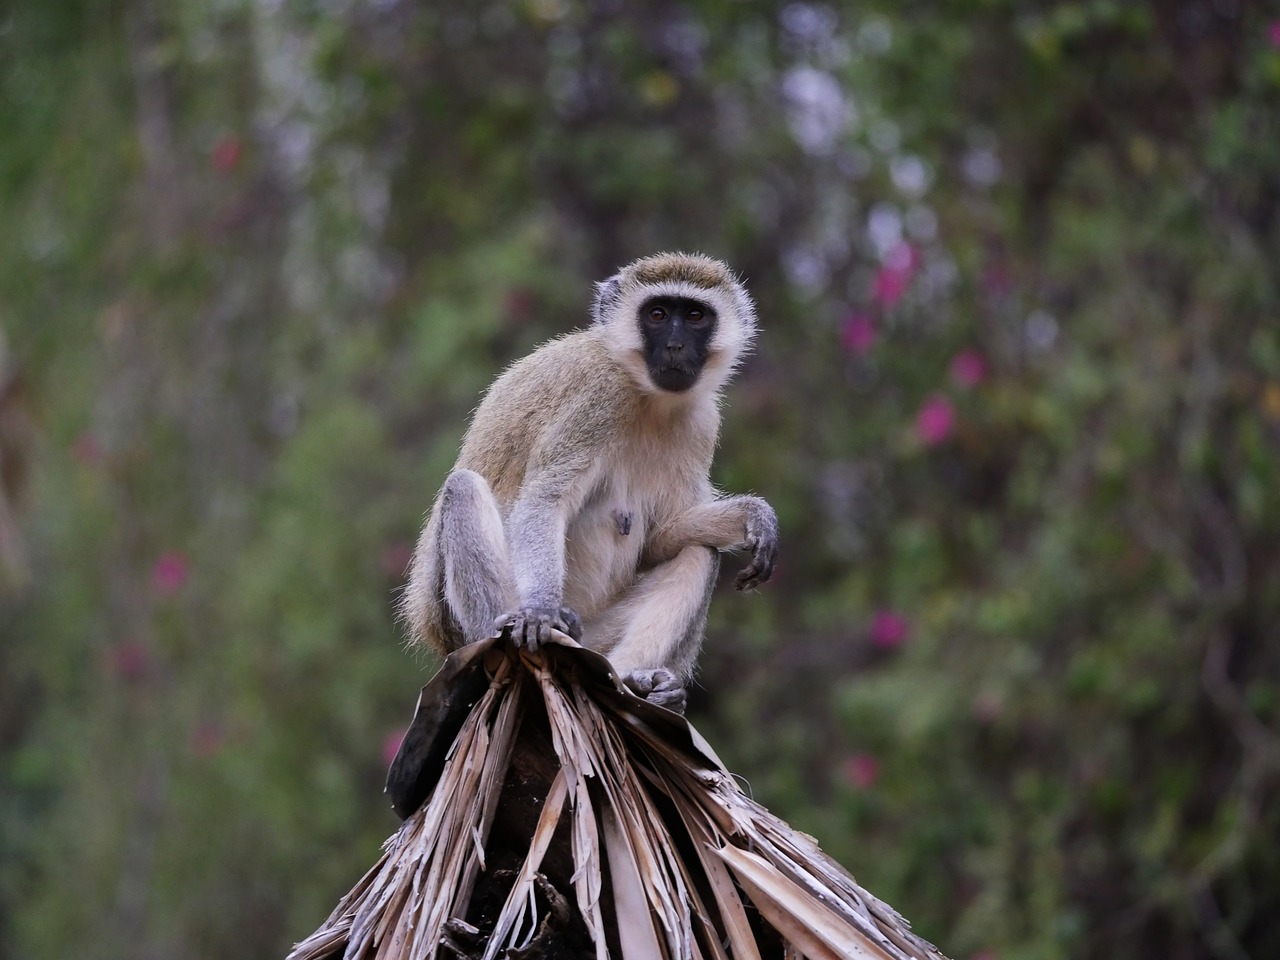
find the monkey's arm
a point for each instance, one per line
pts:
(536, 531)
(739, 522)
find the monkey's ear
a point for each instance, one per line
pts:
(607, 293)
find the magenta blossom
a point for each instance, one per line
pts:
(87, 450)
(890, 285)
(858, 334)
(208, 739)
(968, 368)
(904, 258)
(862, 770)
(888, 630)
(170, 572)
(391, 745)
(936, 420)
(894, 274)
(1273, 33)
(225, 155)
(988, 707)
(996, 281)
(520, 304)
(395, 559)
(130, 660)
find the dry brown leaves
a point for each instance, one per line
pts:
(670, 858)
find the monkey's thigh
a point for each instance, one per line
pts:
(479, 585)
(660, 619)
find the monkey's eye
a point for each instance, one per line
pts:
(696, 318)
(657, 315)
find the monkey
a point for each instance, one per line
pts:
(581, 499)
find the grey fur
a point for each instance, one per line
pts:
(584, 489)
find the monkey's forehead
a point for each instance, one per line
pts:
(691, 268)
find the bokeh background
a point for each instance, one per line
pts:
(1016, 401)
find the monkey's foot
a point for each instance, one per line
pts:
(659, 686)
(531, 626)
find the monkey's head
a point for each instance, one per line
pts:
(676, 321)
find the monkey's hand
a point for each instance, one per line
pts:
(531, 626)
(659, 686)
(762, 541)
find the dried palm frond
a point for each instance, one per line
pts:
(552, 813)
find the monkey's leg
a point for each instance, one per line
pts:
(653, 633)
(479, 585)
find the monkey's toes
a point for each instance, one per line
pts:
(526, 634)
(537, 625)
(659, 686)
(522, 627)
(570, 623)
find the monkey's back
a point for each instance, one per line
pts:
(534, 416)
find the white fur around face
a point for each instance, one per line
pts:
(735, 329)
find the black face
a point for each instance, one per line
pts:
(677, 339)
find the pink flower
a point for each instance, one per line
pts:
(208, 739)
(1273, 33)
(888, 630)
(904, 258)
(889, 287)
(862, 770)
(894, 275)
(225, 155)
(936, 420)
(520, 304)
(858, 334)
(987, 708)
(395, 559)
(169, 573)
(129, 660)
(968, 368)
(391, 745)
(996, 282)
(87, 450)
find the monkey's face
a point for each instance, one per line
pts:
(676, 333)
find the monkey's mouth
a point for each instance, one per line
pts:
(674, 377)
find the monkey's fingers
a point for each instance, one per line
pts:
(759, 570)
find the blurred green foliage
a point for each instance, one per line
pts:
(1017, 402)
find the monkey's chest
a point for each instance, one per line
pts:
(603, 545)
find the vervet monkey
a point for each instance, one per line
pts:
(582, 498)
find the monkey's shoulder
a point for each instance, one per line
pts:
(566, 397)
(560, 369)
(569, 380)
